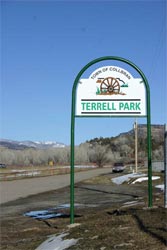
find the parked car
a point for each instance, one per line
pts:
(2, 165)
(118, 167)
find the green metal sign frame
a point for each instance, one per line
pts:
(73, 116)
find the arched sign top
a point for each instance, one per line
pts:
(110, 91)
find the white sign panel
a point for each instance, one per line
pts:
(111, 91)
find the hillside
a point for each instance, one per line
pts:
(122, 147)
(21, 145)
(157, 133)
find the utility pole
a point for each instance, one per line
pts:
(136, 144)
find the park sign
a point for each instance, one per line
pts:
(111, 91)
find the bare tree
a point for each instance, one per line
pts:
(81, 153)
(98, 155)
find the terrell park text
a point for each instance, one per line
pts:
(91, 106)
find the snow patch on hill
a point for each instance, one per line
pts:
(30, 144)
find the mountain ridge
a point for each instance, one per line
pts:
(20, 145)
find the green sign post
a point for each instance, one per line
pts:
(110, 91)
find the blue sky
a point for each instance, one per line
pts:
(44, 44)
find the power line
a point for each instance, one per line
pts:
(158, 47)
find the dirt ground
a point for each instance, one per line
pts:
(110, 216)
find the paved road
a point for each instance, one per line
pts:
(12, 190)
